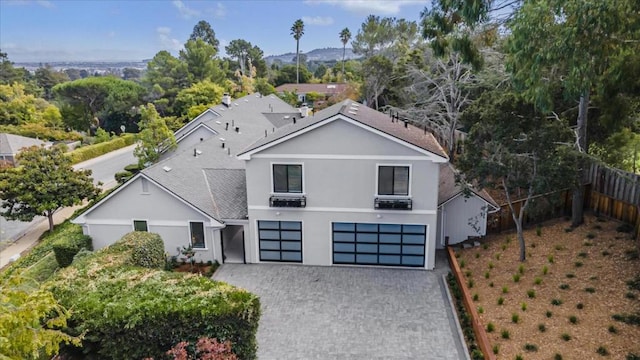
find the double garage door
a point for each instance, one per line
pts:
(378, 244)
(352, 243)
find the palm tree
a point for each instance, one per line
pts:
(345, 36)
(297, 30)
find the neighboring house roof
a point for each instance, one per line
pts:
(449, 189)
(211, 177)
(12, 144)
(363, 115)
(326, 89)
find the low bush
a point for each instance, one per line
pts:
(631, 319)
(542, 327)
(530, 347)
(602, 351)
(67, 247)
(147, 249)
(556, 302)
(39, 131)
(573, 319)
(491, 327)
(531, 293)
(634, 284)
(132, 168)
(89, 152)
(590, 290)
(127, 311)
(612, 329)
(122, 176)
(505, 334)
(565, 337)
(500, 300)
(548, 314)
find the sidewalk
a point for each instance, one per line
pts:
(30, 238)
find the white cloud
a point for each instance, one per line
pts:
(317, 20)
(219, 12)
(45, 3)
(185, 12)
(169, 43)
(365, 7)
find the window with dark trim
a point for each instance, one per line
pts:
(393, 180)
(196, 229)
(140, 225)
(287, 178)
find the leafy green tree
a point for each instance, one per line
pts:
(96, 97)
(200, 58)
(29, 321)
(155, 137)
(46, 78)
(201, 93)
(297, 30)
(43, 183)
(578, 41)
(516, 150)
(10, 74)
(131, 74)
(263, 86)
(290, 73)
(345, 36)
(164, 78)
(18, 108)
(203, 31)
(239, 50)
(378, 72)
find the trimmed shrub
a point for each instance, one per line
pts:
(89, 152)
(132, 168)
(130, 312)
(148, 249)
(122, 176)
(67, 247)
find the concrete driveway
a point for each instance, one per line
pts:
(311, 312)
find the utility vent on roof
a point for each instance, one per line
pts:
(286, 116)
(218, 122)
(331, 86)
(198, 152)
(355, 104)
(236, 104)
(246, 100)
(222, 109)
(222, 139)
(166, 168)
(353, 112)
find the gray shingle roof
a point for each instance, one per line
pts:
(12, 144)
(363, 115)
(212, 178)
(448, 187)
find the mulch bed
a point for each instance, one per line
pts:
(590, 266)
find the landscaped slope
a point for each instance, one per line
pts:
(563, 301)
(128, 311)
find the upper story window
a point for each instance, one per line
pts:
(287, 178)
(393, 180)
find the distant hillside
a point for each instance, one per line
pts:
(326, 54)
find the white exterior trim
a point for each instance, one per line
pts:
(272, 190)
(342, 210)
(194, 129)
(489, 205)
(81, 219)
(340, 157)
(377, 177)
(433, 157)
(196, 118)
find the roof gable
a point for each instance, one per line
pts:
(11, 144)
(361, 116)
(449, 189)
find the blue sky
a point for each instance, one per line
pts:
(114, 30)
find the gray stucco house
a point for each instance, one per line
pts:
(252, 181)
(11, 145)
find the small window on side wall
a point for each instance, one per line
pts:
(140, 225)
(196, 230)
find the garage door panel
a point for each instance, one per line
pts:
(379, 244)
(280, 241)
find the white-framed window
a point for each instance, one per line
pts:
(140, 225)
(287, 178)
(196, 232)
(394, 180)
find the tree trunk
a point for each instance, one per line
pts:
(50, 217)
(577, 205)
(344, 49)
(523, 248)
(297, 61)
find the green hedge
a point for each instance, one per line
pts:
(40, 131)
(122, 176)
(66, 229)
(148, 250)
(130, 312)
(132, 168)
(91, 151)
(67, 247)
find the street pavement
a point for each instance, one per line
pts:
(18, 236)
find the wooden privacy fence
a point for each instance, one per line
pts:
(610, 192)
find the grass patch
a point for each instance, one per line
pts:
(579, 306)
(582, 255)
(634, 284)
(530, 347)
(612, 329)
(591, 235)
(548, 314)
(505, 334)
(631, 319)
(570, 275)
(537, 281)
(531, 293)
(505, 289)
(516, 277)
(491, 327)
(564, 286)
(573, 319)
(578, 264)
(500, 300)
(550, 259)
(602, 351)
(542, 328)
(590, 290)
(565, 337)
(515, 318)
(556, 302)
(523, 306)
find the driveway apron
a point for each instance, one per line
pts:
(311, 312)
